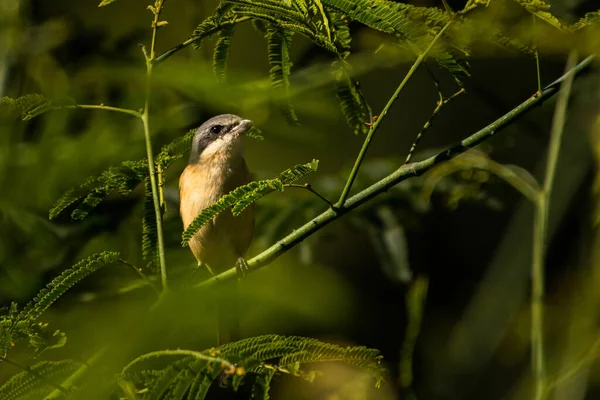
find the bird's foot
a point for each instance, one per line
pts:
(242, 267)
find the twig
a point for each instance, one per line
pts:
(537, 58)
(180, 352)
(193, 39)
(32, 372)
(308, 187)
(441, 103)
(540, 234)
(141, 274)
(76, 376)
(375, 124)
(401, 174)
(156, 195)
(103, 107)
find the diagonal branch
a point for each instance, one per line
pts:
(401, 174)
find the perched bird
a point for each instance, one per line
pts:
(215, 168)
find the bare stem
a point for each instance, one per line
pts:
(537, 58)
(308, 187)
(540, 233)
(141, 274)
(156, 195)
(103, 107)
(381, 117)
(441, 103)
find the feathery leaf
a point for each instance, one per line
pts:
(243, 196)
(278, 44)
(59, 285)
(35, 384)
(221, 53)
(31, 105)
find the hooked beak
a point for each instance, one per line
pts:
(243, 126)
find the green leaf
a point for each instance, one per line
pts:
(221, 53)
(123, 179)
(36, 383)
(149, 233)
(59, 285)
(243, 196)
(278, 44)
(105, 2)
(264, 356)
(354, 107)
(589, 19)
(31, 105)
(42, 338)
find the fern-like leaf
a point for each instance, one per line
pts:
(122, 179)
(243, 196)
(64, 282)
(264, 356)
(105, 2)
(354, 107)
(36, 383)
(175, 150)
(262, 385)
(538, 8)
(221, 53)
(31, 105)
(149, 233)
(589, 19)
(278, 43)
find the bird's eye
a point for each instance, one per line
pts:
(216, 129)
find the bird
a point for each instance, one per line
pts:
(216, 167)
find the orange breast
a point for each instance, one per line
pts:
(226, 238)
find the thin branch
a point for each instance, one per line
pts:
(308, 187)
(141, 274)
(193, 39)
(380, 118)
(401, 174)
(103, 107)
(540, 235)
(180, 352)
(537, 58)
(32, 372)
(441, 103)
(473, 159)
(156, 195)
(77, 376)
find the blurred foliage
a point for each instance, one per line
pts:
(117, 311)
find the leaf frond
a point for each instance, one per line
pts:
(242, 197)
(36, 382)
(59, 285)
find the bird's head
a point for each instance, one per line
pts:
(219, 135)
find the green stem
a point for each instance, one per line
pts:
(537, 58)
(540, 235)
(401, 174)
(30, 371)
(141, 274)
(308, 187)
(193, 39)
(381, 117)
(179, 352)
(103, 107)
(156, 196)
(76, 377)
